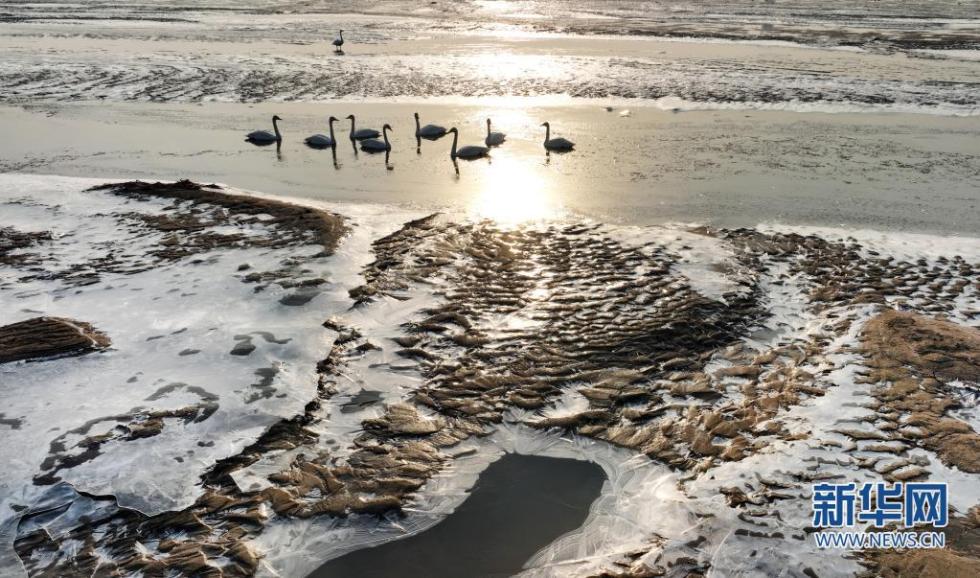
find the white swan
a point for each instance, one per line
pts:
(363, 133)
(555, 144)
(494, 138)
(429, 131)
(338, 42)
(373, 145)
(320, 141)
(264, 136)
(467, 152)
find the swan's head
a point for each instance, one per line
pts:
(548, 124)
(416, 116)
(276, 117)
(488, 122)
(349, 117)
(387, 127)
(452, 130)
(333, 119)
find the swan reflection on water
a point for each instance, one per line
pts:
(278, 143)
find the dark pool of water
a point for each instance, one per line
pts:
(519, 505)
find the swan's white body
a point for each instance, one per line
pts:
(494, 138)
(323, 141)
(338, 42)
(432, 131)
(467, 152)
(374, 145)
(556, 144)
(363, 133)
(264, 136)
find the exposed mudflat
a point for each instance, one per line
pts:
(961, 557)
(45, 337)
(794, 54)
(713, 375)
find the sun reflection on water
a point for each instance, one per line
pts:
(513, 186)
(515, 192)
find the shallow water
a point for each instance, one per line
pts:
(725, 168)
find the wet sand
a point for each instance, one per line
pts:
(519, 505)
(725, 168)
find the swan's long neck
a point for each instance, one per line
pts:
(352, 127)
(418, 125)
(275, 127)
(331, 131)
(547, 132)
(488, 127)
(455, 138)
(384, 134)
(341, 34)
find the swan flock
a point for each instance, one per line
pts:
(369, 141)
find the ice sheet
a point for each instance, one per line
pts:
(645, 509)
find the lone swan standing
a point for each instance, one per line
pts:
(558, 144)
(338, 42)
(264, 136)
(320, 141)
(467, 152)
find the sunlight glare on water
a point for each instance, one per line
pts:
(516, 188)
(515, 194)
